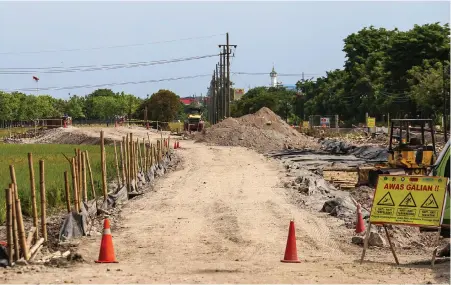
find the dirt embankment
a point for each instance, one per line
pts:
(91, 135)
(262, 131)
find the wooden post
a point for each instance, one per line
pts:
(117, 166)
(75, 185)
(102, 151)
(151, 155)
(21, 229)
(66, 187)
(130, 165)
(146, 153)
(139, 155)
(43, 200)
(84, 180)
(79, 174)
(9, 224)
(93, 191)
(13, 186)
(391, 245)
(122, 162)
(127, 163)
(34, 208)
(365, 243)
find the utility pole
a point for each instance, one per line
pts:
(217, 101)
(223, 79)
(220, 99)
(227, 53)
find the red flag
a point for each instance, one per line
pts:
(35, 78)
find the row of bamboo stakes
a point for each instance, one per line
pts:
(18, 243)
(135, 157)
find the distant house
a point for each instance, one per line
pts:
(187, 101)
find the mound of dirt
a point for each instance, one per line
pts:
(262, 131)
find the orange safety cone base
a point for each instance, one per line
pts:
(290, 261)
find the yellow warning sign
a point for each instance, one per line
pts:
(305, 124)
(370, 122)
(409, 200)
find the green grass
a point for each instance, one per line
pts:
(55, 165)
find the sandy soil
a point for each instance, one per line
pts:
(91, 135)
(223, 218)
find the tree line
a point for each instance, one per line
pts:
(102, 104)
(401, 73)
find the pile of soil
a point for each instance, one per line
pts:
(262, 131)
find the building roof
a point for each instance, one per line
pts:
(187, 101)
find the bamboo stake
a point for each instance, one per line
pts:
(79, 174)
(43, 200)
(121, 149)
(138, 156)
(151, 155)
(90, 175)
(130, 165)
(21, 227)
(84, 181)
(75, 185)
(146, 153)
(117, 166)
(13, 187)
(30, 236)
(127, 163)
(102, 150)
(67, 188)
(34, 208)
(9, 224)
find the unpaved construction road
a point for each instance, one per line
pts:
(223, 217)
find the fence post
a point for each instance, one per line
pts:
(336, 122)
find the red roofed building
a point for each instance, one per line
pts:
(187, 101)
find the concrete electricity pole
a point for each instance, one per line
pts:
(227, 96)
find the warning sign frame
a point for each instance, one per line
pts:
(406, 203)
(419, 209)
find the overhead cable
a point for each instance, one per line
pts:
(111, 47)
(109, 84)
(86, 68)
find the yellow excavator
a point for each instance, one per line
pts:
(411, 149)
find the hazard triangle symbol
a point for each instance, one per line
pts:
(430, 202)
(387, 200)
(408, 201)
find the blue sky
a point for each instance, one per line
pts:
(297, 36)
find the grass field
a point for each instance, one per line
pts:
(55, 165)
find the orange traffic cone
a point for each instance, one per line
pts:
(175, 145)
(291, 253)
(106, 254)
(360, 226)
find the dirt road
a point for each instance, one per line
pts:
(223, 218)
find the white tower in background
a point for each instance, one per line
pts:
(273, 75)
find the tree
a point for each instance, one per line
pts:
(162, 106)
(74, 107)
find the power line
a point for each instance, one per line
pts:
(278, 74)
(86, 68)
(111, 47)
(109, 84)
